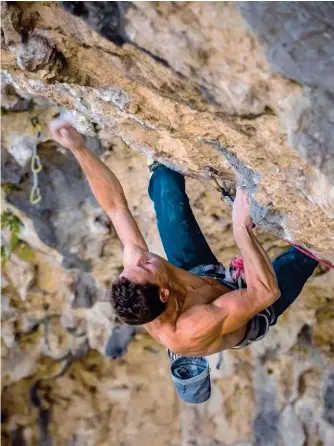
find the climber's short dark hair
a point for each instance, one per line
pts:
(136, 303)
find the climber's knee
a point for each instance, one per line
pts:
(165, 181)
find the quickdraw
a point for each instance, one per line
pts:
(36, 165)
(221, 187)
(225, 195)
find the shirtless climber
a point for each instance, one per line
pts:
(190, 303)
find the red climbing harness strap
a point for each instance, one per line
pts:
(238, 264)
(307, 253)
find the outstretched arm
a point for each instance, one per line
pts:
(104, 184)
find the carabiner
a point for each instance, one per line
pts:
(36, 165)
(35, 199)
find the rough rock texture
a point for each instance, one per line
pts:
(299, 45)
(192, 85)
(216, 101)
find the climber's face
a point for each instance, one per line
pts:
(140, 295)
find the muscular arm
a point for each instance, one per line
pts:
(262, 291)
(261, 281)
(104, 184)
(233, 310)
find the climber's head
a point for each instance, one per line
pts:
(140, 294)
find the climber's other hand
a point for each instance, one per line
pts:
(66, 135)
(241, 210)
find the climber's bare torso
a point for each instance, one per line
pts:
(203, 341)
(176, 328)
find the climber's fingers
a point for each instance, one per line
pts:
(57, 125)
(241, 209)
(58, 130)
(63, 132)
(243, 197)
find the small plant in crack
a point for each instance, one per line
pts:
(14, 224)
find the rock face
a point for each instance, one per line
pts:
(215, 101)
(211, 89)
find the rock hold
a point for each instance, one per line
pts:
(38, 53)
(158, 108)
(33, 50)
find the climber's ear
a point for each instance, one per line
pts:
(164, 294)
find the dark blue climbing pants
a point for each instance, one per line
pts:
(186, 247)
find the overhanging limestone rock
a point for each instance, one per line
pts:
(216, 101)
